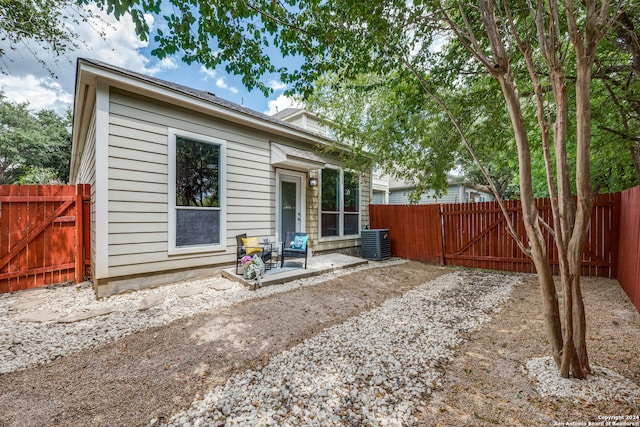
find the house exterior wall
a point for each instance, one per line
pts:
(87, 175)
(307, 122)
(455, 194)
(137, 186)
(350, 244)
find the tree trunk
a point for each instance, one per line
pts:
(551, 309)
(635, 156)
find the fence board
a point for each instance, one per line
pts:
(413, 230)
(38, 235)
(629, 245)
(475, 235)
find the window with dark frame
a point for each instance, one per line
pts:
(340, 203)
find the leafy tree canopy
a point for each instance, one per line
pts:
(381, 59)
(34, 148)
(361, 67)
(41, 24)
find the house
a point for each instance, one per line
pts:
(304, 119)
(176, 173)
(310, 121)
(380, 182)
(459, 191)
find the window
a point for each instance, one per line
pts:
(340, 203)
(196, 192)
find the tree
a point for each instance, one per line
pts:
(537, 53)
(47, 24)
(34, 148)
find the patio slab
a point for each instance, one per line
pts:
(318, 264)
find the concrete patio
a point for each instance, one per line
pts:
(294, 269)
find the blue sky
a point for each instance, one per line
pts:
(27, 81)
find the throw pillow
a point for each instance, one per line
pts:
(251, 245)
(300, 242)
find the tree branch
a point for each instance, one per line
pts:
(454, 121)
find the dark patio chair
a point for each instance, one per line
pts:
(292, 252)
(241, 251)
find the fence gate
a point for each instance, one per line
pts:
(42, 235)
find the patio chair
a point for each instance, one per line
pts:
(253, 248)
(295, 245)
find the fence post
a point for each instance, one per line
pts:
(79, 234)
(442, 236)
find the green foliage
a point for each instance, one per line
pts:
(34, 148)
(47, 23)
(371, 67)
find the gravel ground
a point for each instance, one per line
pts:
(370, 370)
(24, 343)
(391, 343)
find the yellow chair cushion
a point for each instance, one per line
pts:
(251, 245)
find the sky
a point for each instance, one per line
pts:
(26, 80)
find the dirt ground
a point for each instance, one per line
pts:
(160, 371)
(486, 384)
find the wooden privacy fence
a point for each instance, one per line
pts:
(475, 234)
(629, 245)
(43, 230)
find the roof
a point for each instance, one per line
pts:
(201, 95)
(399, 184)
(296, 158)
(286, 113)
(91, 75)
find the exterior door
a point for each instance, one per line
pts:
(290, 203)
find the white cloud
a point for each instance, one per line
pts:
(102, 38)
(223, 85)
(119, 45)
(276, 85)
(207, 72)
(282, 102)
(40, 92)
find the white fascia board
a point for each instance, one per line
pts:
(80, 112)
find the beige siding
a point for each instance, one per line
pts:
(314, 126)
(138, 185)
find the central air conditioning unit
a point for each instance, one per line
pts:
(376, 244)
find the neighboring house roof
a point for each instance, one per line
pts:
(399, 184)
(90, 70)
(287, 112)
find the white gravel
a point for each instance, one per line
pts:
(602, 384)
(370, 370)
(373, 369)
(26, 343)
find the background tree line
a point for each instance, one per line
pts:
(35, 147)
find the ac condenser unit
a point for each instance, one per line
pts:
(376, 244)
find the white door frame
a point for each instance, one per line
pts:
(281, 175)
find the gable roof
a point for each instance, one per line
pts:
(286, 113)
(206, 96)
(396, 184)
(90, 73)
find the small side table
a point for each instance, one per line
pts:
(275, 256)
(267, 247)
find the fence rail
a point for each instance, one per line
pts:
(42, 235)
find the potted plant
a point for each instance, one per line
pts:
(253, 266)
